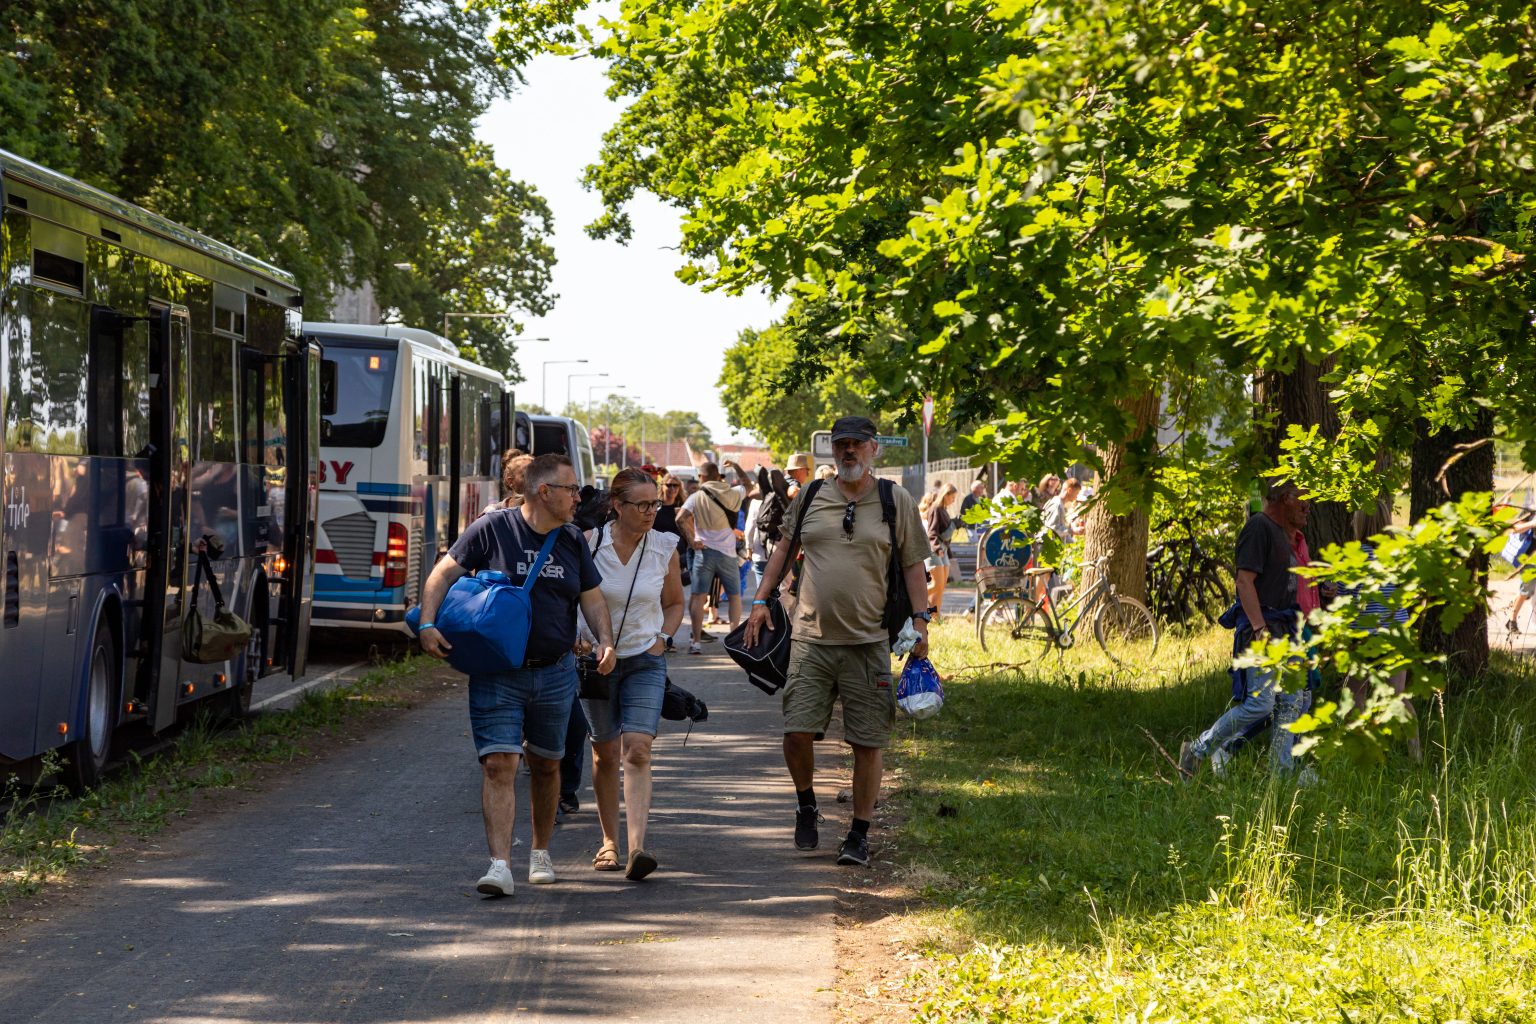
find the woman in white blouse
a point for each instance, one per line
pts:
(644, 589)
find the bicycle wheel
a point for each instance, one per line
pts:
(1125, 623)
(1012, 618)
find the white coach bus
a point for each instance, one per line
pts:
(411, 437)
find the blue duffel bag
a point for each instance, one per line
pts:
(486, 618)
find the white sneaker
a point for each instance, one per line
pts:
(497, 880)
(1219, 758)
(541, 870)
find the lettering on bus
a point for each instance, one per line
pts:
(341, 469)
(17, 510)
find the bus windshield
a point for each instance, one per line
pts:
(356, 385)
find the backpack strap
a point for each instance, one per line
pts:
(538, 563)
(205, 568)
(808, 495)
(730, 517)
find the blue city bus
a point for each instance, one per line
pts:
(411, 437)
(159, 400)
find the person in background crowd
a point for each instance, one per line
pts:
(643, 588)
(1527, 586)
(798, 471)
(524, 713)
(940, 526)
(825, 472)
(977, 496)
(513, 465)
(1061, 513)
(711, 516)
(841, 651)
(1041, 494)
(1266, 607)
(1366, 524)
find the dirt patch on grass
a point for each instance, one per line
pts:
(141, 806)
(879, 933)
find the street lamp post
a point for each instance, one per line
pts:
(608, 442)
(544, 388)
(572, 376)
(591, 388)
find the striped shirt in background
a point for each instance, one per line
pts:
(1376, 614)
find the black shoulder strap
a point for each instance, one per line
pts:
(888, 509)
(805, 498)
(730, 516)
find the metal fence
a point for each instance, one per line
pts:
(956, 470)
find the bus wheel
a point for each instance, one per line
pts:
(86, 758)
(248, 668)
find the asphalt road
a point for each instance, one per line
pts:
(347, 894)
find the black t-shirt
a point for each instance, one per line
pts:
(966, 504)
(666, 520)
(1264, 548)
(502, 540)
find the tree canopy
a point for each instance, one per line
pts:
(335, 140)
(1044, 212)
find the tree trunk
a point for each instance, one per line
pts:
(1125, 534)
(1300, 397)
(1467, 645)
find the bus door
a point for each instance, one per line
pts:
(455, 454)
(301, 409)
(167, 542)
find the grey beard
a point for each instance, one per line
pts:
(852, 474)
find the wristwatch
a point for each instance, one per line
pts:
(926, 616)
(665, 638)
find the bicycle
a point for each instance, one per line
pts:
(1052, 624)
(1184, 580)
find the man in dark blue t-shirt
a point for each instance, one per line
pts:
(525, 712)
(1266, 593)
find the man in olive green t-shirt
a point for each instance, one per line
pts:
(840, 650)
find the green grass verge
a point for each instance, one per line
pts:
(1072, 879)
(44, 833)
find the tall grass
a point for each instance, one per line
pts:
(1075, 878)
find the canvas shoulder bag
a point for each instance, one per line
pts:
(223, 637)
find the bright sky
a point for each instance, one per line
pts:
(619, 307)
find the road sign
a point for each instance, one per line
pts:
(891, 442)
(821, 445)
(927, 415)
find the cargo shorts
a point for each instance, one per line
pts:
(857, 674)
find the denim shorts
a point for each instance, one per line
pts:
(530, 709)
(635, 689)
(709, 564)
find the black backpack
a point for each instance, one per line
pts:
(771, 509)
(898, 604)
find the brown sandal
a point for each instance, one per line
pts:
(607, 858)
(640, 865)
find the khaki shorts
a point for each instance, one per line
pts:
(858, 674)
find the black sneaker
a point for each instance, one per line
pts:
(806, 820)
(855, 850)
(569, 804)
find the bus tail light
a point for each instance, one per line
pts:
(395, 555)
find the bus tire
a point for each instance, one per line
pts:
(86, 758)
(237, 699)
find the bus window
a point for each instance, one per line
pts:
(211, 393)
(48, 369)
(550, 437)
(488, 431)
(355, 389)
(434, 422)
(104, 401)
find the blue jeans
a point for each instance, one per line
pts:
(529, 708)
(635, 689)
(575, 749)
(710, 565)
(1263, 699)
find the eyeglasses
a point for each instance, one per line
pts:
(574, 489)
(644, 506)
(848, 519)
